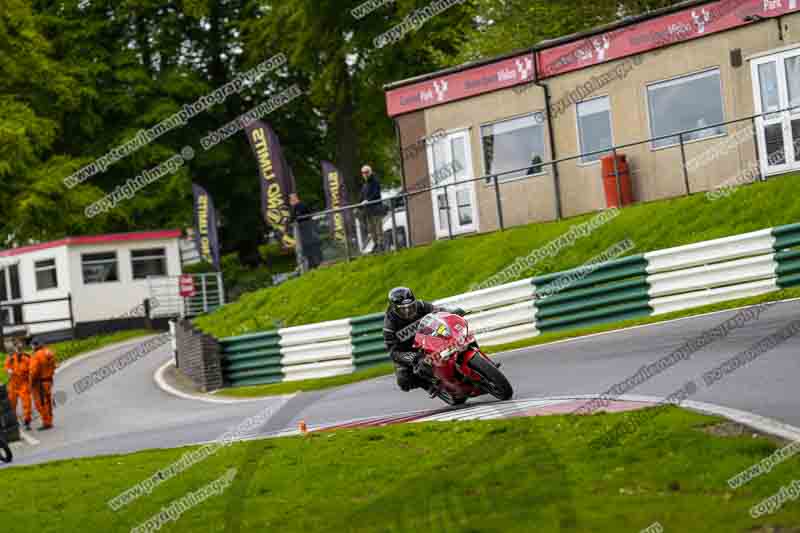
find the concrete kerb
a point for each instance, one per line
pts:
(162, 384)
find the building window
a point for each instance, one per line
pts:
(151, 262)
(100, 267)
(13, 276)
(594, 128)
(513, 144)
(46, 277)
(684, 104)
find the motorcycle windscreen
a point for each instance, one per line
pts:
(433, 334)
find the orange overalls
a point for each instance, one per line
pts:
(18, 385)
(43, 368)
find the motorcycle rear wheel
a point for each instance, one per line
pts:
(493, 381)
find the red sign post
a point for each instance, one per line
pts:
(186, 286)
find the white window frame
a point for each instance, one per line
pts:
(485, 171)
(163, 256)
(95, 262)
(37, 268)
(784, 118)
(466, 131)
(581, 162)
(650, 122)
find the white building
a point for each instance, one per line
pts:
(103, 277)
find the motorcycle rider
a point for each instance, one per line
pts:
(399, 329)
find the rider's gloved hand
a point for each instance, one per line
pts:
(408, 358)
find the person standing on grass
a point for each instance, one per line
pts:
(42, 371)
(371, 191)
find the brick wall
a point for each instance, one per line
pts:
(198, 356)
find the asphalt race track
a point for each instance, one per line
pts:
(129, 412)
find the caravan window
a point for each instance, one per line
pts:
(100, 267)
(151, 262)
(46, 277)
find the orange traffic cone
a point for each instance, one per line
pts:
(302, 427)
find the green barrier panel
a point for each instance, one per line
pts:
(601, 316)
(265, 380)
(366, 324)
(251, 336)
(230, 366)
(252, 359)
(785, 282)
(570, 295)
(571, 280)
(612, 291)
(252, 345)
(786, 236)
(788, 271)
(547, 310)
(633, 262)
(270, 370)
(369, 350)
(256, 354)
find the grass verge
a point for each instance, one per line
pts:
(69, 349)
(445, 268)
(520, 475)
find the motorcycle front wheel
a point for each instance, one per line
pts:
(492, 380)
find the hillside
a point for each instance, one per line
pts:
(450, 267)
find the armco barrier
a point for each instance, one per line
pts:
(252, 359)
(641, 285)
(788, 272)
(612, 291)
(367, 339)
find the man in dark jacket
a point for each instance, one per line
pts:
(400, 327)
(371, 191)
(309, 237)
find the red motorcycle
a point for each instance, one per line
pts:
(454, 363)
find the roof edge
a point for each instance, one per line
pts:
(94, 239)
(549, 43)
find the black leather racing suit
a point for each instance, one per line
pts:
(398, 335)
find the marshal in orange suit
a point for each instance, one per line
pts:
(42, 370)
(18, 369)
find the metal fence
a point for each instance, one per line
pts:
(354, 231)
(209, 294)
(345, 233)
(51, 319)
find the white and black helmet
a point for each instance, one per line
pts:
(403, 302)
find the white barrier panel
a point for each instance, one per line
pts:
(312, 333)
(509, 293)
(321, 351)
(701, 253)
(714, 275)
(668, 304)
(506, 335)
(502, 317)
(318, 370)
